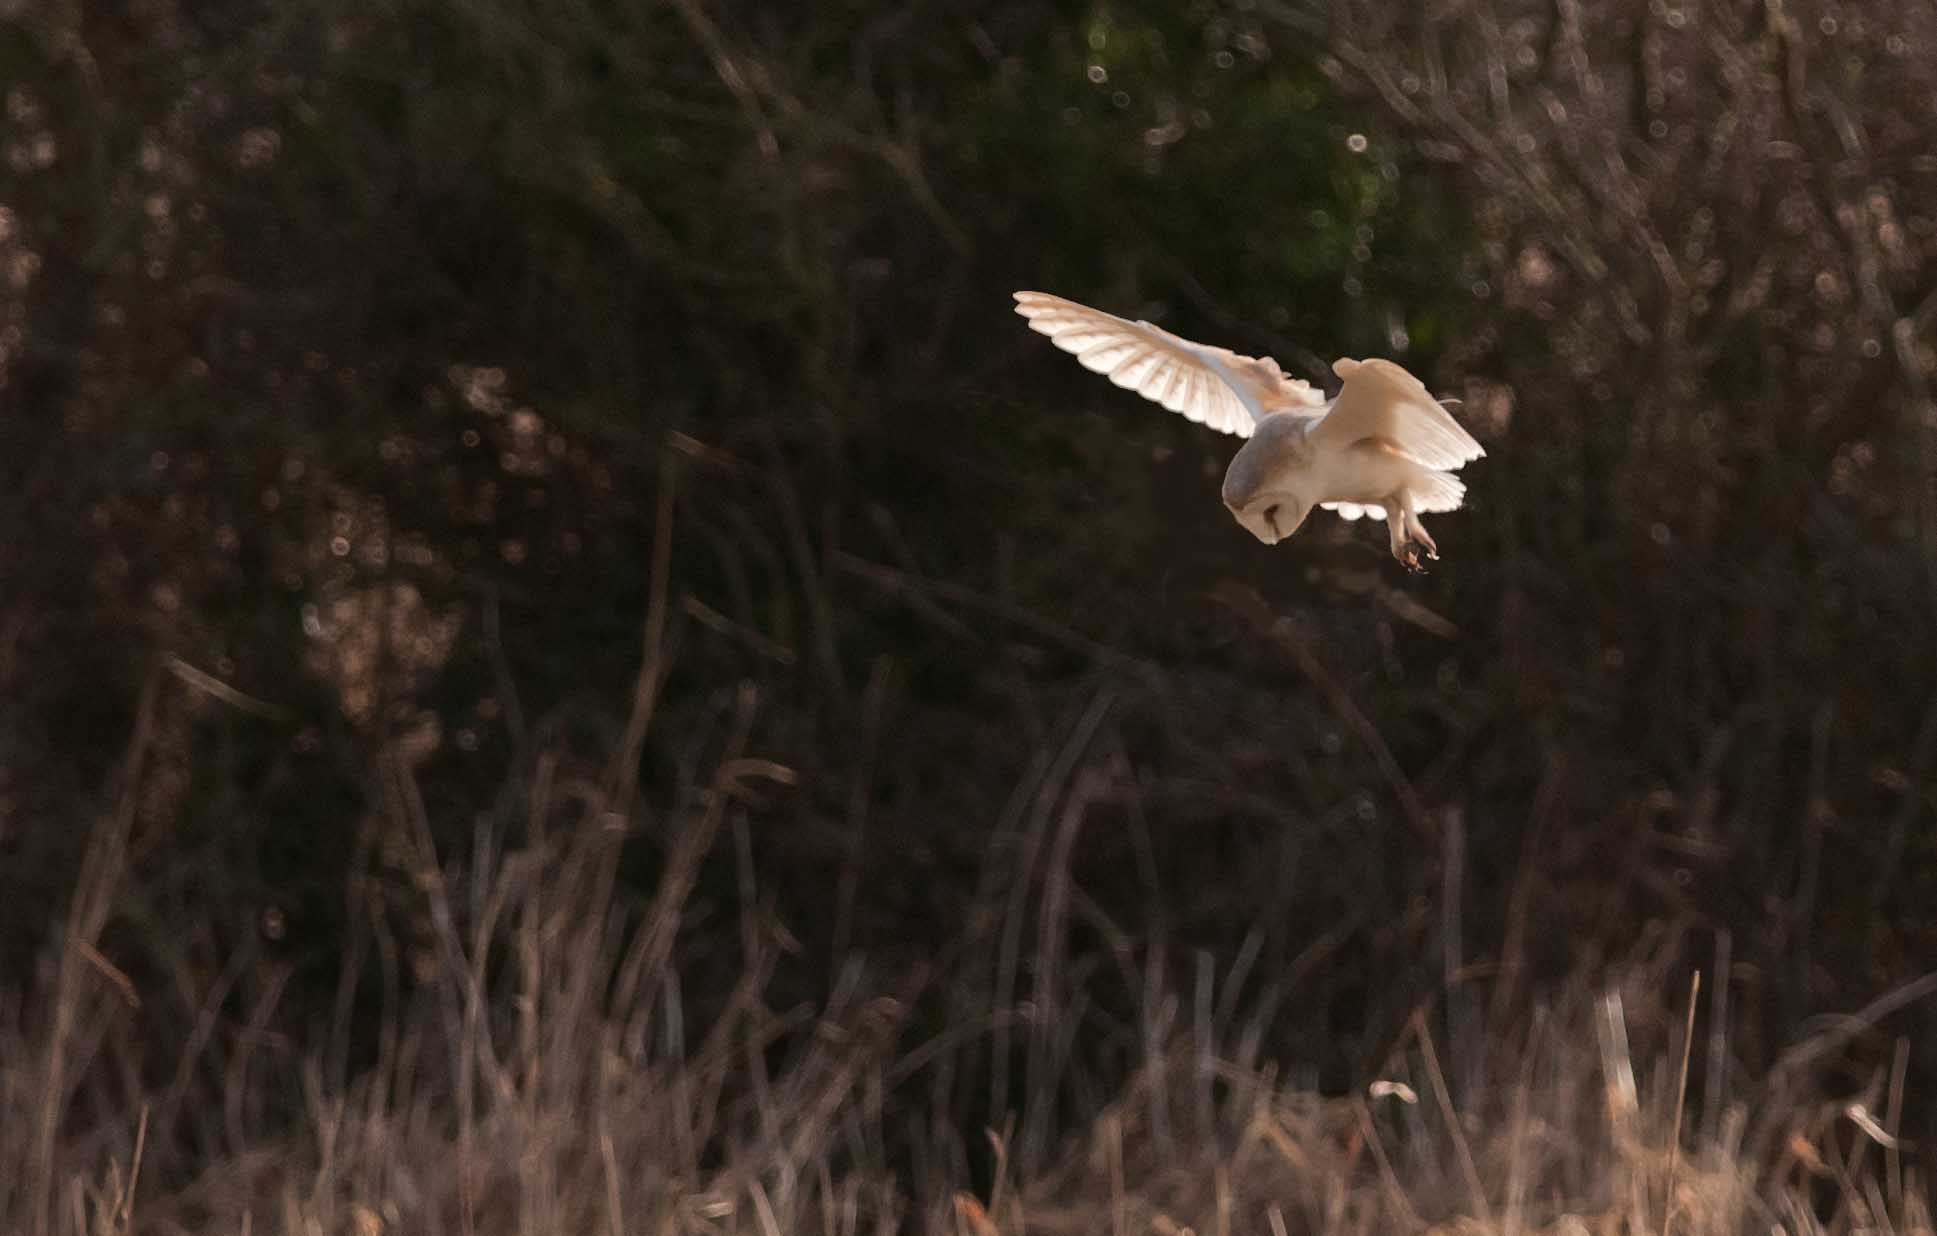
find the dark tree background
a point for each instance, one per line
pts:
(437, 433)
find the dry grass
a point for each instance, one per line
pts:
(557, 1058)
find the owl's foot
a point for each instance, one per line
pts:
(1405, 547)
(1416, 539)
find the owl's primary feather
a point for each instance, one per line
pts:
(1213, 386)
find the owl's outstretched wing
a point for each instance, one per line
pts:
(1211, 385)
(1381, 400)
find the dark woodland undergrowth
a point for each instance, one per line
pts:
(658, 705)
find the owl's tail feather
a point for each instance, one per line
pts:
(1438, 491)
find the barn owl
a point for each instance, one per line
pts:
(1384, 447)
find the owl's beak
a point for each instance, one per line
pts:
(1260, 521)
(1271, 519)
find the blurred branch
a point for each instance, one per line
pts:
(729, 72)
(910, 586)
(1853, 225)
(752, 79)
(1248, 604)
(623, 777)
(213, 687)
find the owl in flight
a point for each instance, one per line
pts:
(1384, 447)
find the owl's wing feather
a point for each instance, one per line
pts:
(1355, 510)
(1381, 400)
(1211, 385)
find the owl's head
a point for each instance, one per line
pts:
(1259, 486)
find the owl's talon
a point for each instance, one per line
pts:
(1418, 536)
